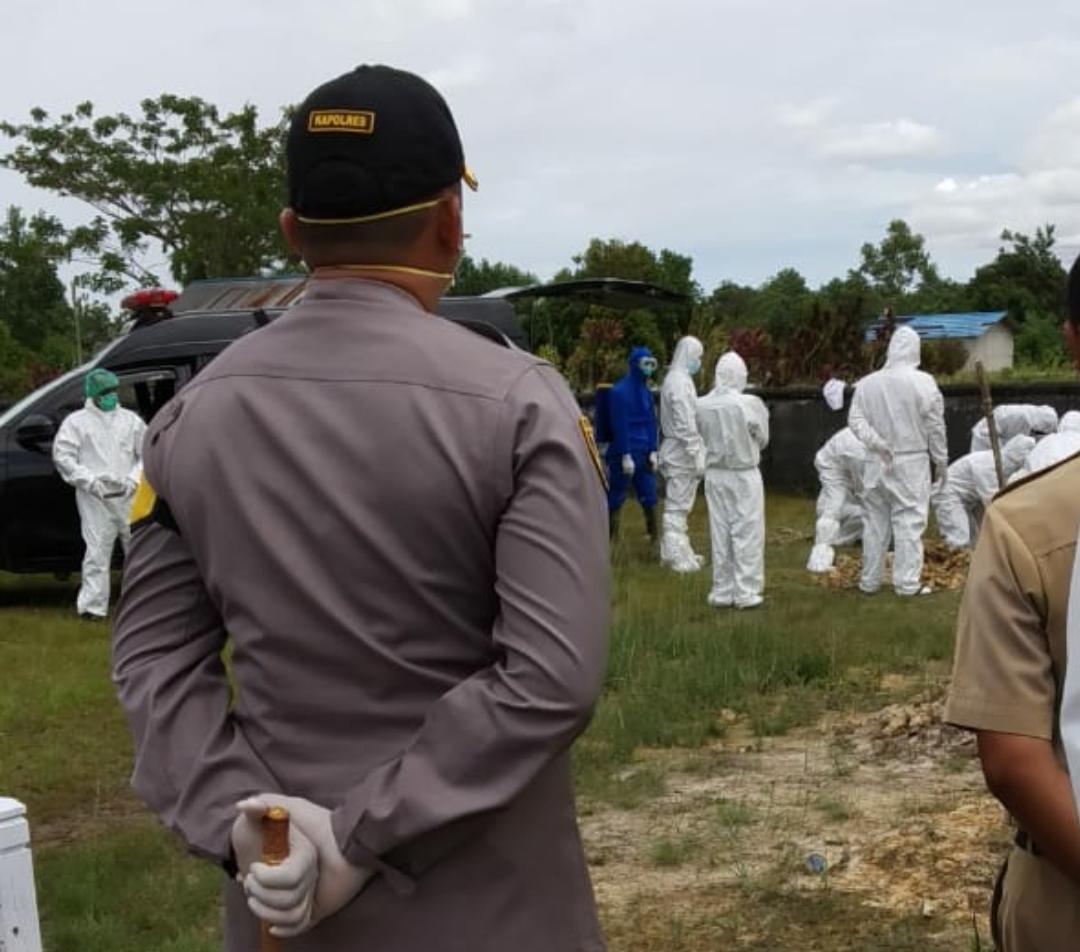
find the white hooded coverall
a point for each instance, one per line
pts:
(971, 484)
(839, 465)
(99, 453)
(735, 428)
(1052, 449)
(682, 454)
(899, 415)
(1012, 419)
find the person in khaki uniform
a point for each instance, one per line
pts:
(1007, 686)
(400, 529)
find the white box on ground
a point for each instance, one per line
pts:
(19, 930)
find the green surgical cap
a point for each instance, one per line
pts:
(98, 381)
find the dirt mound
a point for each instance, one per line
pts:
(886, 811)
(943, 568)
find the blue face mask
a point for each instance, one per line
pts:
(647, 365)
(695, 367)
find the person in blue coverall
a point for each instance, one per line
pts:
(631, 453)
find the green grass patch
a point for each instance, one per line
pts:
(111, 879)
(129, 892)
(676, 662)
(677, 851)
(731, 814)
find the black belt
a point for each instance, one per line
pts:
(1026, 843)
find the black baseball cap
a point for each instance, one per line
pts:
(372, 143)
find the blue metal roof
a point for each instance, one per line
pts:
(944, 326)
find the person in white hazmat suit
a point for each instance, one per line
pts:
(682, 455)
(899, 415)
(971, 484)
(1012, 419)
(839, 464)
(98, 450)
(1053, 449)
(735, 428)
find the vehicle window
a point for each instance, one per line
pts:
(147, 392)
(64, 401)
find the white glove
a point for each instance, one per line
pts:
(654, 461)
(699, 463)
(99, 487)
(337, 882)
(130, 486)
(628, 465)
(286, 892)
(941, 475)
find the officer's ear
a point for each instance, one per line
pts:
(290, 230)
(450, 223)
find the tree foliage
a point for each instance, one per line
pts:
(204, 186)
(472, 278)
(899, 264)
(41, 332)
(1025, 278)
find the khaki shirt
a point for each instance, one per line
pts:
(1010, 648)
(402, 529)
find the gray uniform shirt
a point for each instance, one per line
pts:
(401, 529)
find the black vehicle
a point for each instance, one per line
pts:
(39, 525)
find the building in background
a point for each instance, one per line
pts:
(985, 335)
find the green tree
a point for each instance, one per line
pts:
(783, 303)
(852, 295)
(899, 264)
(471, 278)
(33, 304)
(732, 304)
(633, 261)
(203, 185)
(1025, 278)
(560, 322)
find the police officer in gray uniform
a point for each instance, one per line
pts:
(401, 529)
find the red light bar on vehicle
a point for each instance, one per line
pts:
(149, 297)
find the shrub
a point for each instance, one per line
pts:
(943, 358)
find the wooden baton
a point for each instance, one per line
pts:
(991, 422)
(275, 850)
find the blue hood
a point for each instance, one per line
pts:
(635, 355)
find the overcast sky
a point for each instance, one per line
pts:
(750, 134)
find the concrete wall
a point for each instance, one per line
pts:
(994, 349)
(800, 422)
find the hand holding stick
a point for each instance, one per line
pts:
(275, 850)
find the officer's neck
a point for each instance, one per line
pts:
(425, 285)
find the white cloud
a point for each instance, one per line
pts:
(857, 143)
(601, 118)
(875, 141)
(1057, 141)
(1043, 187)
(462, 74)
(811, 115)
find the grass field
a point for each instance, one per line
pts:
(691, 694)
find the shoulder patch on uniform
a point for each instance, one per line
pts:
(585, 425)
(1031, 477)
(148, 508)
(142, 503)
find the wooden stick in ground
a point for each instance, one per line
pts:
(991, 423)
(275, 850)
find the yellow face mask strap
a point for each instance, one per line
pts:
(398, 268)
(379, 216)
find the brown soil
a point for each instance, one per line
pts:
(893, 802)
